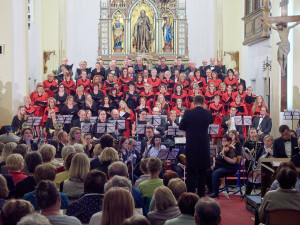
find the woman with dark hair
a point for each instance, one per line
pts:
(240, 106)
(154, 147)
(91, 202)
(231, 80)
(106, 106)
(199, 80)
(124, 80)
(227, 98)
(236, 142)
(178, 93)
(97, 94)
(115, 97)
(48, 199)
(139, 82)
(215, 79)
(131, 96)
(154, 81)
(27, 138)
(225, 164)
(60, 97)
(123, 149)
(69, 83)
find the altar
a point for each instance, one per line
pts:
(147, 28)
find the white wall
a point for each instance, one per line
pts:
(201, 25)
(82, 31)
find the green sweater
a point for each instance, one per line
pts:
(147, 187)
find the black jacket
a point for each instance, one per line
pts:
(279, 148)
(265, 126)
(195, 123)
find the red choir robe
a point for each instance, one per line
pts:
(218, 113)
(123, 84)
(86, 84)
(257, 111)
(48, 84)
(45, 117)
(249, 100)
(29, 110)
(149, 97)
(129, 120)
(233, 82)
(183, 96)
(140, 87)
(243, 95)
(221, 93)
(166, 94)
(40, 109)
(201, 82)
(241, 109)
(208, 97)
(217, 82)
(227, 99)
(107, 86)
(185, 85)
(155, 83)
(170, 85)
(70, 87)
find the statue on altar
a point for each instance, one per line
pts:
(118, 32)
(143, 33)
(168, 33)
(284, 44)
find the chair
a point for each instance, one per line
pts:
(238, 183)
(283, 217)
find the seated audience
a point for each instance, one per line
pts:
(74, 186)
(186, 204)
(48, 200)
(34, 219)
(32, 160)
(177, 186)
(144, 169)
(48, 152)
(91, 203)
(7, 151)
(3, 191)
(136, 220)
(118, 205)
(168, 176)
(65, 175)
(207, 211)
(286, 197)
(165, 206)
(108, 156)
(13, 210)
(147, 187)
(15, 165)
(45, 172)
(64, 152)
(21, 149)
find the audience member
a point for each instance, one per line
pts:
(168, 176)
(165, 206)
(48, 152)
(45, 172)
(177, 186)
(144, 169)
(15, 165)
(3, 191)
(118, 205)
(13, 210)
(136, 220)
(21, 149)
(207, 212)
(186, 203)
(7, 151)
(64, 152)
(286, 197)
(65, 175)
(34, 219)
(28, 184)
(74, 186)
(147, 187)
(48, 199)
(91, 203)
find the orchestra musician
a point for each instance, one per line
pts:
(154, 147)
(82, 119)
(18, 120)
(262, 124)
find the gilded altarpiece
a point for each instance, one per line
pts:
(147, 28)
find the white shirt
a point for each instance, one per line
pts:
(232, 125)
(288, 148)
(260, 120)
(154, 152)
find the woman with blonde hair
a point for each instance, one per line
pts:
(49, 125)
(164, 104)
(28, 106)
(89, 104)
(7, 151)
(128, 115)
(69, 83)
(80, 167)
(79, 98)
(118, 200)
(165, 206)
(51, 105)
(75, 136)
(107, 157)
(18, 120)
(70, 108)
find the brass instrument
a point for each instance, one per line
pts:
(56, 127)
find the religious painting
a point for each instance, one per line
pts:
(168, 32)
(118, 31)
(143, 29)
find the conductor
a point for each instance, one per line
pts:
(195, 123)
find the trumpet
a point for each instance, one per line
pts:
(228, 126)
(56, 127)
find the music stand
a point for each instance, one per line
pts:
(247, 120)
(213, 150)
(173, 154)
(180, 140)
(65, 119)
(163, 154)
(291, 114)
(86, 128)
(174, 131)
(93, 119)
(33, 121)
(155, 120)
(213, 129)
(140, 128)
(138, 146)
(238, 121)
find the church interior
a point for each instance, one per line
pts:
(248, 42)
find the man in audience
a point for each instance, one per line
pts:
(139, 67)
(240, 80)
(163, 67)
(147, 187)
(286, 145)
(63, 139)
(203, 68)
(207, 211)
(263, 123)
(285, 197)
(186, 203)
(48, 199)
(32, 160)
